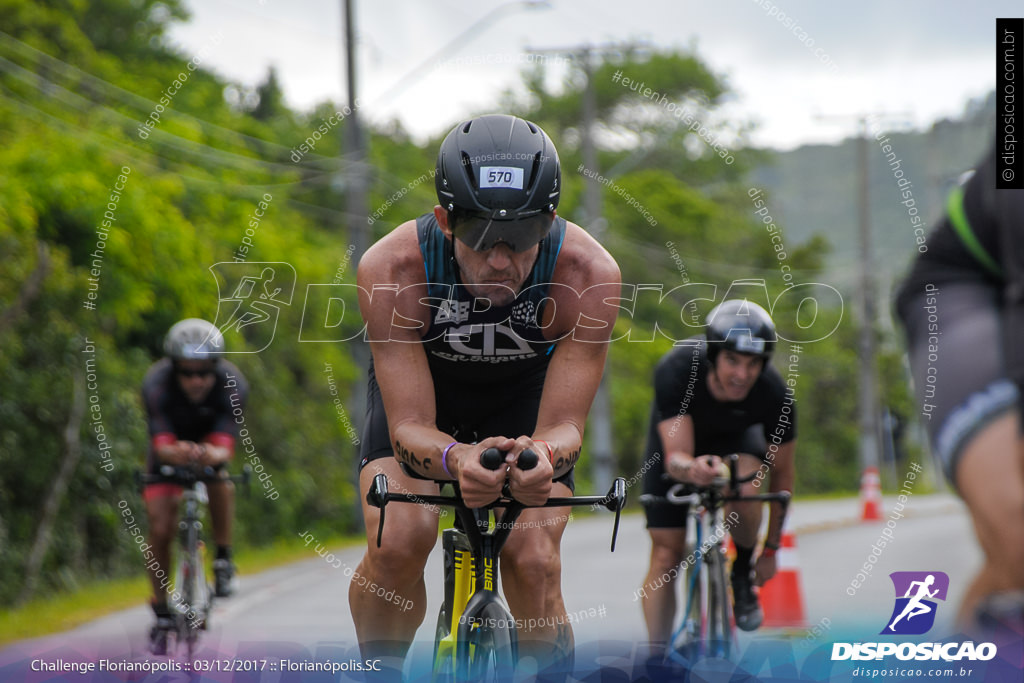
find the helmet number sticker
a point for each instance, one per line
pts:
(745, 343)
(501, 176)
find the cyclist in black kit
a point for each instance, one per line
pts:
(189, 397)
(475, 332)
(962, 306)
(717, 394)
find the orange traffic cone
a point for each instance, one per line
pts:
(782, 597)
(871, 495)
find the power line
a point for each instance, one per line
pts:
(54, 91)
(131, 98)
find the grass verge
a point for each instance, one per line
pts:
(91, 600)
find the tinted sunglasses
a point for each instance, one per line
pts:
(481, 232)
(184, 372)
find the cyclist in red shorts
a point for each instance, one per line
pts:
(189, 396)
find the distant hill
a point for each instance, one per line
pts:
(813, 189)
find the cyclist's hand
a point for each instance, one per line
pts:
(180, 454)
(699, 471)
(206, 457)
(479, 486)
(193, 452)
(533, 486)
(764, 569)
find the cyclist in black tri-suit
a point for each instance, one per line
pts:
(717, 394)
(488, 327)
(191, 397)
(962, 306)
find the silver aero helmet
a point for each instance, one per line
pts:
(741, 326)
(499, 177)
(194, 339)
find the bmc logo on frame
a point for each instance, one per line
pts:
(914, 614)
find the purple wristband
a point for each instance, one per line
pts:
(444, 459)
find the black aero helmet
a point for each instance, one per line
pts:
(741, 326)
(501, 176)
(194, 339)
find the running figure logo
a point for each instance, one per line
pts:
(251, 296)
(914, 612)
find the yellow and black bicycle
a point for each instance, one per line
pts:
(476, 636)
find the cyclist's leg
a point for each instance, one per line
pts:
(973, 419)
(749, 512)
(222, 510)
(222, 514)
(658, 595)
(990, 477)
(744, 521)
(162, 512)
(385, 628)
(531, 570)
(666, 524)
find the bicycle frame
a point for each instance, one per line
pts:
(475, 600)
(706, 616)
(707, 595)
(193, 611)
(190, 582)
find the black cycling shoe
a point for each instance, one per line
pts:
(745, 606)
(163, 626)
(224, 578)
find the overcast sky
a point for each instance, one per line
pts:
(918, 59)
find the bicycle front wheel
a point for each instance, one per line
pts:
(192, 592)
(444, 662)
(719, 632)
(491, 647)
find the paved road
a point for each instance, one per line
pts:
(301, 611)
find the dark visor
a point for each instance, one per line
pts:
(481, 232)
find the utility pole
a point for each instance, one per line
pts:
(867, 400)
(869, 416)
(355, 184)
(356, 170)
(601, 440)
(601, 412)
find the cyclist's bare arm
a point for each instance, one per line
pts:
(206, 453)
(681, 463)
(218, 449)
(177, 453)
(395, 325)
(781, 479)
(581, 320)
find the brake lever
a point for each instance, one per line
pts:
(377, 496)
(617, 497)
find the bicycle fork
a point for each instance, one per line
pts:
(459, 583)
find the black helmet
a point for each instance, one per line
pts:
(194, 339)
(501, 176)
(741, 326)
